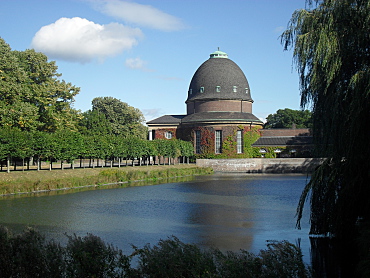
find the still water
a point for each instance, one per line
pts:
(228, 211)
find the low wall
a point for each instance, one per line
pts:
(261, 165)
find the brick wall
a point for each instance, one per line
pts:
(219, 105)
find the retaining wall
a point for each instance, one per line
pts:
(261, 165)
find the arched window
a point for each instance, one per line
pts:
(168, 134)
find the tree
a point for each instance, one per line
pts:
(287, 118)
(32, 96)
(12, 76)
(123, 119)
(94, 122)
(331, 50)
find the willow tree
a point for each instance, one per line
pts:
(331, 46)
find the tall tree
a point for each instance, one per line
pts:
(287, 118)
(94, 122)
(331, 50)
(32, 95)
(123, 119)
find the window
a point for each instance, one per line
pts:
(218, 141)
(190, 91)
(201, 89)
(246, 90)
(197, 141)
(168, 134)
(218, 89)
(239, 141)
(235, 89)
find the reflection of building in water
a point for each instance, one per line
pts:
(224, 215)
(219, 106)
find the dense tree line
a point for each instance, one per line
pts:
(68, 146)
(288, 118)
(38, 121)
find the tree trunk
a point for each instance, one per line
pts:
(8, 164)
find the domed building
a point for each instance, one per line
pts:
(219, 108)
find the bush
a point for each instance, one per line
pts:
(30, 255)
(89, 256)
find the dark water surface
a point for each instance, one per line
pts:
(228, 211)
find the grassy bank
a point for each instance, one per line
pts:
(17, 182)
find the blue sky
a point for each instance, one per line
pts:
(145, 52)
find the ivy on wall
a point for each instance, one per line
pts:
(229, 144)
(160, 133)
(207, 142)
(251, 135)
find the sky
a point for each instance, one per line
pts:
(145, 52)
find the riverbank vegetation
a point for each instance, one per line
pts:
(33, 148)
(17, 182)
(29, 254)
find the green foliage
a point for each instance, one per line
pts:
(111, 116)
(30, 255)
(172, 258)
(32, 97)
(94, 122)
(331, 51)
(229, 144)
(249, 138)
(89, 256)
(288, 118)
(66, 145)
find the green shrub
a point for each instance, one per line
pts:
(172, 258)
(30, 255)
(89, 256)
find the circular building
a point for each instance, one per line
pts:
(219, 92)
(219, 109)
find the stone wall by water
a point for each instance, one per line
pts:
(261, 165)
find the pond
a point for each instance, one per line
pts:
(227, 211)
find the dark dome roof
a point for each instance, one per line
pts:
(219, 78)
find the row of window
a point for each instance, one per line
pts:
(218, 141)
(218, 90)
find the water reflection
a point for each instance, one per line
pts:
(230, 212)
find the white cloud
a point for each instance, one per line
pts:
(136, 63)
(142, 15)
(80, 40)
(151, 114)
